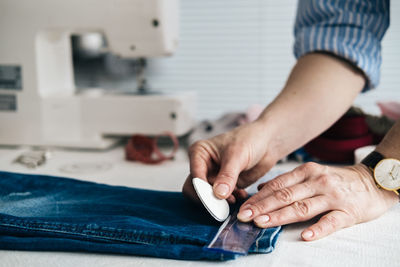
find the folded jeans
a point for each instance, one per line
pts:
(40, 212)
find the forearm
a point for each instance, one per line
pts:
(390, 145)
(319, 90)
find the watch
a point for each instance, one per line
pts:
(386, 171)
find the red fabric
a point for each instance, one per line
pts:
(338, 143)
(145, 149)
(338, 151)
(347, 127)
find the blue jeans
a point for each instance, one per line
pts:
(58, 214)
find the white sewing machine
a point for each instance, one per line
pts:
(39, 104)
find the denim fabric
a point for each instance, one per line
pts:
(58, 214)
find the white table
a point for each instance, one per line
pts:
(376, 243)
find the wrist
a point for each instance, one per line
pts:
(365, 171)
(390, 145)
(366, 175)
(273, 132)
(387, 151)
(380, 169)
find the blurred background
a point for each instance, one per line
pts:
(237, 53)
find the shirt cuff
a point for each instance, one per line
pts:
(355, 45)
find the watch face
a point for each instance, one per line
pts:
(387, 174)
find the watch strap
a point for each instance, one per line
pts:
(372, 159)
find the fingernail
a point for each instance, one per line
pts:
(222, 190)
(262, 220)
(308, 234)
(245, 214)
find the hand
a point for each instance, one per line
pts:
(345, 195)
(240, 157)
(231, 161)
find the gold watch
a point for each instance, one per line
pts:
(386, 171)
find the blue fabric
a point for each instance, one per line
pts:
(58, 214)
(350, 29)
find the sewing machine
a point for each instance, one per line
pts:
(39, 102)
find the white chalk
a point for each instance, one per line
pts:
(218, 208)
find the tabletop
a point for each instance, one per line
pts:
(375, 243)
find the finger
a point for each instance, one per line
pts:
(279, 199)
(248, 177)
(200, 161)
(189, 191)
(231, 199)
(260, 186)
(291, 178)
(240, 193)
(329, 223)
(299, 211)
(278, 183)
(231, 165)
(198, 166)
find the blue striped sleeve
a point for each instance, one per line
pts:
(350, 29)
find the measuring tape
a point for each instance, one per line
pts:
(235, 236)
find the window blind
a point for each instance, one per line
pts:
(236, 53)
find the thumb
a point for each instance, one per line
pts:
(225, 182)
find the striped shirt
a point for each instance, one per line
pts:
(350, 29)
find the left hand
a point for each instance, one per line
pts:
(346, 195)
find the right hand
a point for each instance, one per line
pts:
(231, 161)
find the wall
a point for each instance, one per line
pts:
(236, 53)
